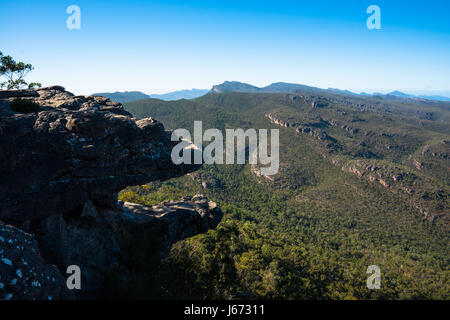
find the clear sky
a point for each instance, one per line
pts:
(161, 46)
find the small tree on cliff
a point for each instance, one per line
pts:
(14, 73)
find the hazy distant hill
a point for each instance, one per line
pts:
(345, 92)
(234, 86)
(123, 96)
(410, 96)
(127, 96)
(182, 94)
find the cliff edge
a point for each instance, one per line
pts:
(61, 170)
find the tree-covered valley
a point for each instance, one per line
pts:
(362, 181)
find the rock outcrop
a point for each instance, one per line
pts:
(61, 170)
(76, 149)
(313, 129)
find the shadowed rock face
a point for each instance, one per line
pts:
(95, 239)
(76, 149)
(61, 171)
(23, 272)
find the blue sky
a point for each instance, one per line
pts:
(161, 46)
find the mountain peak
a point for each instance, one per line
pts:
(399, 94)
(234, 86)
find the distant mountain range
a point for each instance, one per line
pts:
(410, 96)
(278, 87)
(127, 96)
(235, 86)
(282, 87)
(122, 97)
(182, 94)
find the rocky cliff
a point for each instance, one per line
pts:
(61, 170)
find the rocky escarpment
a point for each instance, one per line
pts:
(330, 130)
(420, 191)
(313, 129)
(61, 170)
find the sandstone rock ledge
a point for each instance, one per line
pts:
(61, 171)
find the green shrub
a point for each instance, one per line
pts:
(25, 106)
